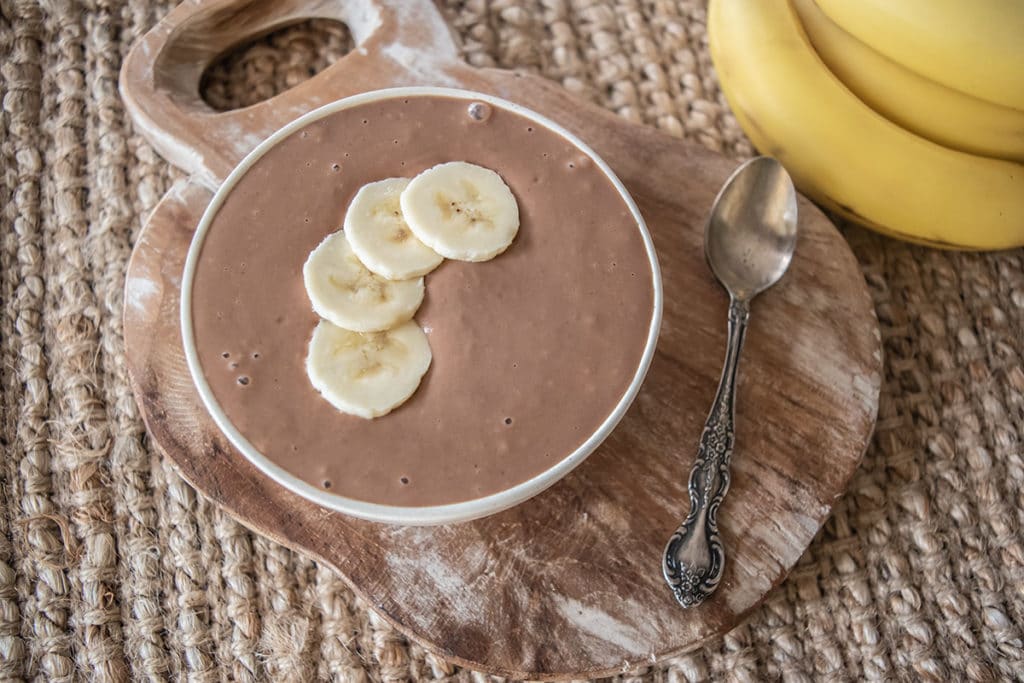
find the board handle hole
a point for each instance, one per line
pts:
(264, 66)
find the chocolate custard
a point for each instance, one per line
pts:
(531, 350)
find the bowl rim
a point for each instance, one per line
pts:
(397, 514)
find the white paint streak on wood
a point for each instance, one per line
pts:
(142, 294)
(760, 569)
(362, 19)
(171, 147)
(434, 50)
(601, 625)
(447, 577)
(243, 140)
(425, 68)
(740, 595)
(865, 386)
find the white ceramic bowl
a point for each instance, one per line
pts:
(435, 514)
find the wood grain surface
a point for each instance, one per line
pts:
(567, 584)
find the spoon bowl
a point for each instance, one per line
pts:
(751, 234)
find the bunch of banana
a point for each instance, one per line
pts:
(906, 117)
(367, 355)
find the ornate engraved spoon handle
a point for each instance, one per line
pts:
(694, 557)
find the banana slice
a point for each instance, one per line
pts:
(367, 374)
(344, 292)
(379, 236)
(461, 211)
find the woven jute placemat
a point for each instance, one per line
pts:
(112, 568)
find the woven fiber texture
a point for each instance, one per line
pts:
(112, 568)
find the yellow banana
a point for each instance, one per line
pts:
(975, 46)
(941, 114)
(844, 154)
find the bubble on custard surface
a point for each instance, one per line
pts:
(243, 381)
(479, 111)
(336, 167)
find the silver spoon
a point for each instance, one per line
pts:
(749, 242)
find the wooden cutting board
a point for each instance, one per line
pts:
(568, 584)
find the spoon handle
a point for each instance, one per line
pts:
(694, 557)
